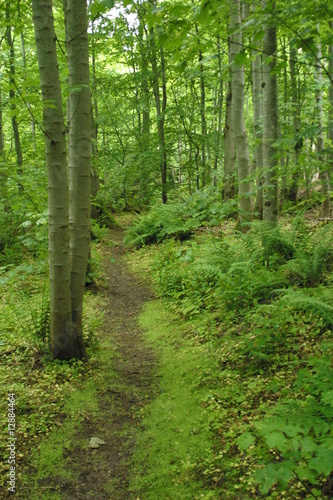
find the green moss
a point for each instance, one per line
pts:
(175, 439)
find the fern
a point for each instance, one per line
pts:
(315, 307)
(299, 431)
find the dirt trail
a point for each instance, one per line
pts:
(104, 473)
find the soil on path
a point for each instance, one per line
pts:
(104, 473)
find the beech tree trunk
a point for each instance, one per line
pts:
(145, 98)
(61, 332)
(94, 176)
(323, 173)
(79, 158)
(229, 151)
(160, 110)
(237, 113)
(257, 111)
(270, 123)
(202, 106)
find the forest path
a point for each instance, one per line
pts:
(127, 385)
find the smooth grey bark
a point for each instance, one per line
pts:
(229, 151)
(219, 104)
(61, 333)
(323, 173)
(237, 113)
(270, 122)
(257, 115)
(160, 107)
(145, 97)
(94, 176)
(79, 158)
(202, 105)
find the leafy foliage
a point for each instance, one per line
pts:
(272, 290)
(179, 219)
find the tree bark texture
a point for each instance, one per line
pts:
(79, 158)
(330, 110)
(160, 110)
(257, 115)
(323, 173)
(270, 123)
(229, 151)
(237, 113)
(61, 337)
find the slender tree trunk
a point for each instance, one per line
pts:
(229, 151)
(204, 174)
(257, 109)
(61, 333)
(24, 64)
(94, 176)
(237, 113)
(145, 98)
(323, 174)
(330, 110)
(79, 158)
(17, 141)
(160, 110)
(219, 111)
(296, 112)
(270, 123)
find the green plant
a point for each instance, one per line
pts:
(297, 433)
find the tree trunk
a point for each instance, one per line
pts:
(270, 123)
(145, 98)
(237, 113)
(257, 111)
(323, 174)
(94, 176)
(79, 158)
(218, 128)
(17, 141)
(202, 115)
(159, 111)
(330, 111)
(229, 151)
(296, 112)
(61, 333)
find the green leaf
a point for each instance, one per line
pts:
(323, 462)
(245, 441)
(277, 440)
(265, 479)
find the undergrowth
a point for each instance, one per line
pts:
(263, 299)
(178, 219)
(42, 386)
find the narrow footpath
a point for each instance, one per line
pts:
(128, 386)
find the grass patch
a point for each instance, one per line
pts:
(176, 439)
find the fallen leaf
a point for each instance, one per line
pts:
(95, 442)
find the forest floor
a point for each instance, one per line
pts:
(103, 472)
(123, 384)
